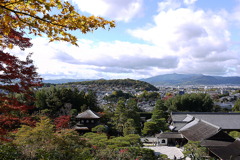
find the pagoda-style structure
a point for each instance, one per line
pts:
(87, 120)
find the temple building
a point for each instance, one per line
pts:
(211, 130)
(87, 120)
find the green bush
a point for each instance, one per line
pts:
(8, 151)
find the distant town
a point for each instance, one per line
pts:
(224, 96)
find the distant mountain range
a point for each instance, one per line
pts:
(172, 79)
(191, 79)
(60, 81)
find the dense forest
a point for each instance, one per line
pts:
(118, 83)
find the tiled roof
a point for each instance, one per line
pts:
(228, 152)
(209, 129)
(169, 135)
(88, 114)
(219, 139)
(215, 143)
(177, 126)
(199, 130)
(227, 121)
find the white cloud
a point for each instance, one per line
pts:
(189, 2)
(200, 39)
(168, 4)
(182, 40)
(97, 60)
(121, 10)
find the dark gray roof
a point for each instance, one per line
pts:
(228, 152)
(169, 135)
(215, 143)
(219, 139)
(179, 116)
(227, 121)
(88, 114)
(199, 130)
(177, 126)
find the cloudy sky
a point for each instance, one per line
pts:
(151, 37)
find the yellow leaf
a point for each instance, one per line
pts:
(10, 46)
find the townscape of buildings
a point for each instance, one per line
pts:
(229, 94)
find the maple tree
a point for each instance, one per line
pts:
(54, 18)
(62, 122)
(16, 76)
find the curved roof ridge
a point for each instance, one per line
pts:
(88, 114)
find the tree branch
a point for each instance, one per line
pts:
(36, 17)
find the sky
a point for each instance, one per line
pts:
(151, 37)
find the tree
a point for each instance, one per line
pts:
(42, 142)
(62, 122)
(190, 102)
(58, 101)
(55, 18)
(152, 127)
(234, 134)
(91, 100)
(236, 106)
(9, 151)
(16, 76)
(159, 110)
(149, 95)
(158, 120)
(31, 139)
(100, 129)
(124, 111)
(116, 95)
(133, 113)
(129, 127)
(194, 151)
(149, 128)
(120, 116)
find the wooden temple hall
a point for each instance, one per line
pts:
(211, 130)
(87, 120)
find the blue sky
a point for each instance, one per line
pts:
(151, 37)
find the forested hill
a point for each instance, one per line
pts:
(117, 83)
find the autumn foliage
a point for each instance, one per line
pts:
(16, 77)
(54, 18)
(62, 122)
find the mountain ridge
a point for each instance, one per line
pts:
(191, 79)
(171, 79)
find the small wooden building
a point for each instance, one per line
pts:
(87, 120)
(170, 139)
